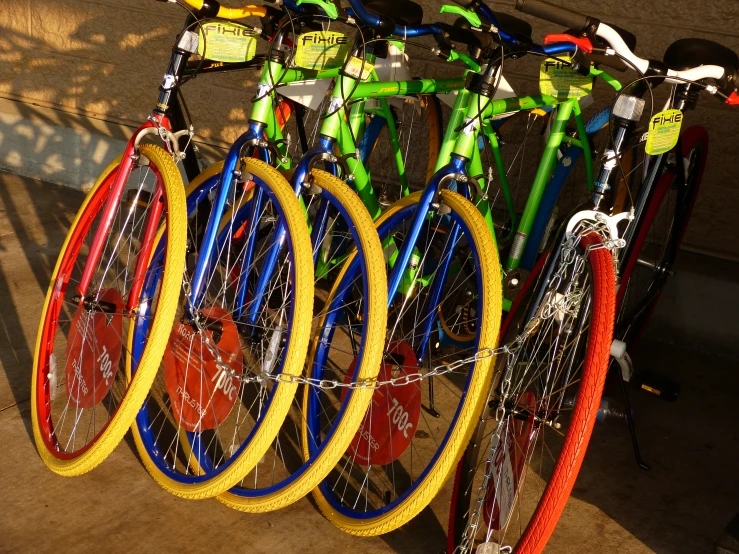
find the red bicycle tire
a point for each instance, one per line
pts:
(569, 462)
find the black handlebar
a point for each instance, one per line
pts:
(556, 14)
(465, 36)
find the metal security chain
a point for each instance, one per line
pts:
(370, 383)
(556, 303)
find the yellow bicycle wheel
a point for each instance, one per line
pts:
(421, 418)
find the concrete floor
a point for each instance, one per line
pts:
(682, 505)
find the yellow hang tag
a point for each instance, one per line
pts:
(559, 80)
(664, 130)
(355, 66)
(321, 50)
(221, 41)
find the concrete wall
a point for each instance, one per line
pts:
(97, 64)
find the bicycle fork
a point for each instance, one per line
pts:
(102, 234)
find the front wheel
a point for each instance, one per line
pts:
(83, 401)
(421, 416)
(225, 383)
(519, 469)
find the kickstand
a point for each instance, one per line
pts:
(632, 429)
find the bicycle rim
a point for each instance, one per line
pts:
(208, 419)
(357, 306)
(413, 433)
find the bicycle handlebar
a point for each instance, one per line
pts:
(563, 16)
(228, 13)
(455, 34)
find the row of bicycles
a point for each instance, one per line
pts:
(373, 294)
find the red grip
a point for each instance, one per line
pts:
(583, 43)
(733, 99)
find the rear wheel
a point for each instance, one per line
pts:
(417, 125)
(658, 238)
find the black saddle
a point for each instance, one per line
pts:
(402, 12)
(692, 52)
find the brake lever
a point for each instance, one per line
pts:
(583, 43)
(471, 17)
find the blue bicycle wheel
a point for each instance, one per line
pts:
(351, 311)
(214, 407)
(418, 421)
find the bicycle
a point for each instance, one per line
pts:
(490, 491)
(104, 257)
(377, 486)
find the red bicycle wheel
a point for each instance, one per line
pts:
(513, 483)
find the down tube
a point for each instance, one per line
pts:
(419, 218)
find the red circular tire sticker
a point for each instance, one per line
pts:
(201, 393)
(392, 418)
(509, 464)
(94, 349)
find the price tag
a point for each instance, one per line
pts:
(321, 50)
(227, 42)
(558, 80)
(664, 130)
(355, 66)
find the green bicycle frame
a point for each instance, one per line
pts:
(480, 108)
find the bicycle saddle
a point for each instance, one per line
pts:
(402, 12)
(692, 52)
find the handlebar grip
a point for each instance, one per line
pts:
(555, 14)
(464, 36)
(242, 12)
(214, 8)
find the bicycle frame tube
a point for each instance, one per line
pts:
(503, 178)
(336, 127)
(150, 231)
(543, 173)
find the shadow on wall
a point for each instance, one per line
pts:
(76, 73)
